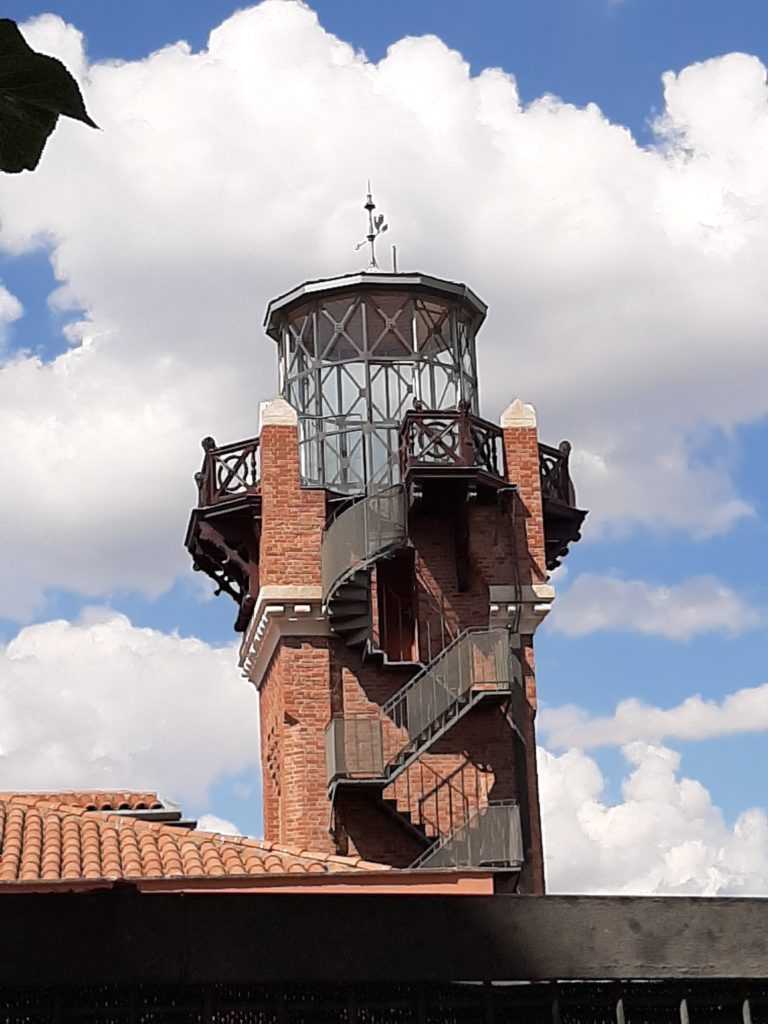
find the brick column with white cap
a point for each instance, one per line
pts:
(285, 650)
(521, 450)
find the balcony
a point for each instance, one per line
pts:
(449, 445)
(562, 519)
(354, 748)
(229, 471)
(223, 532)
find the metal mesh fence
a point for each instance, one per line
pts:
(590, 1002)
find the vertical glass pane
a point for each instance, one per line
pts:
(353, 396)
(379, 405)
(400, 380)
(330, 404)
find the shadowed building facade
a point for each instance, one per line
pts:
(389, 549)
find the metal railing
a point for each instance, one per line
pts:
(477, 658)
(555, 475)
(360, 534)
(454, 439)
(493, 837)
(354, 748)
(228, 470)
(482, 661)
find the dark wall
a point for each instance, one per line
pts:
(128, 937)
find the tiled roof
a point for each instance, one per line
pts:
(46, 838)
(91, 800)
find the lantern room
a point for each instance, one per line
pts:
(356, 353)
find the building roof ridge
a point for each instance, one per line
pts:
(79, 799)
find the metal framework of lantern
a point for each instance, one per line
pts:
(356, 353)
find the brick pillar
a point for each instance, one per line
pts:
(295, 692)
(292, 518)
(521, 449)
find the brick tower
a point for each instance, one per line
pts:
(388, 550)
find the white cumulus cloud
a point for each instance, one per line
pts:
(103, 704)
(699, 605)
(664, 836)
(744, 711)
(625, 283)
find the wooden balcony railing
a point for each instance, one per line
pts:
(556, 481)
(451, 440)
(229, 471)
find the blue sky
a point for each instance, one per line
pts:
(609, 52)
(684, 587)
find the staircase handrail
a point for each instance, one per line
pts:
(360, 535)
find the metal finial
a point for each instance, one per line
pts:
(376, 227)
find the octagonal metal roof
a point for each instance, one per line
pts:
(377, 280)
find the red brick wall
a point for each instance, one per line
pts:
(292, 518)
(296, 708)
(368, 830)
(492, 554)
(271, 734)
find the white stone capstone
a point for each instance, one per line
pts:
(519, 414)
(277, 413)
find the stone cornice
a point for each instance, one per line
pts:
(289, 610)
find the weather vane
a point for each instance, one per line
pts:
(376, 227)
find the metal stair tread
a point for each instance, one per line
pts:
(350, 621)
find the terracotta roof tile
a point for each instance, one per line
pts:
(89, 800)
(45, 837)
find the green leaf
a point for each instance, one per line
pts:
(34, 90)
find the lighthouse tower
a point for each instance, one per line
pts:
(388, 550)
